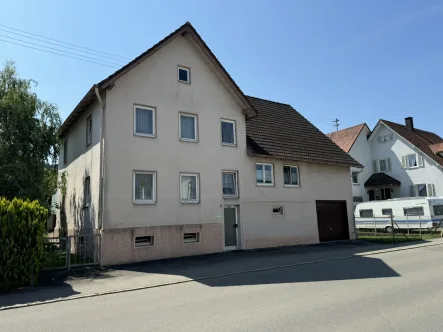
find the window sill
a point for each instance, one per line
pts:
(186, 82)
(188, 140)
(144, 135)
(229, 144)
(291, 186)
(265, 185)
(355, 184)
(191, 242)
(189, 202)
(414, 167)
(139, 202)
(230, 197)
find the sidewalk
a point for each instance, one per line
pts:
(68, 285)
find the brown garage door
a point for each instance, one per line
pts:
(332, 220)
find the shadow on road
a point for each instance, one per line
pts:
(36, 295)
(281, 265)
(52, 285)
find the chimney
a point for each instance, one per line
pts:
(409, 122)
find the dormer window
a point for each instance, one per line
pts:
(183, 74)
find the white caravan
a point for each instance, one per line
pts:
(408, 213)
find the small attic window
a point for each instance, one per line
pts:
(183, 74)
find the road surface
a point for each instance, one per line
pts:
(395, 291)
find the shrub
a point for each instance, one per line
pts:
(22, 232)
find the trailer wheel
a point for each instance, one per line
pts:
(389, 229)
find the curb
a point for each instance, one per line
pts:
(126, 290)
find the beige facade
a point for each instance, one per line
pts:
(82, 162)
(153, 83)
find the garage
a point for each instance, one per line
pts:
(332, 219)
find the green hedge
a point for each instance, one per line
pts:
(22, 231)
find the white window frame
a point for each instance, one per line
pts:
(195, 239)
(195, 116)
(234, 126)
(385, 138)
(197, 189)
(388, 162)
(188, 70)
(148, 243)
(236, 184)
(298, 176)
(89, 130)
(264, 176)
(352, 178)
(153, 109)
(417, 192)
(154, 188)
(416, 160)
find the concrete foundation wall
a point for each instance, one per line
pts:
(118, 245)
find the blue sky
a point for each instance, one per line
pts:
(357, 61)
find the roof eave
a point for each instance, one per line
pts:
(258, 155)
(85, 102)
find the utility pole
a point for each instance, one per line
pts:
(336, 124)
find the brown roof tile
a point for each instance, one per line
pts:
(437, 148)
(345, 138)
(419, 138)
(280, 131)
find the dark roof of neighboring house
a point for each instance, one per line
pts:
(281, 132)
(345, 138)
(186, 28)
(381, 179)
(421, 139)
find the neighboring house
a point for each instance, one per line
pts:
(399, 160)
(167, 157)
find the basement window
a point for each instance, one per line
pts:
(144, 241)
(191, 237)
(277, 210)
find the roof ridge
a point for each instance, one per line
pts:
(361, 124)
(270, 101)
(414, 131)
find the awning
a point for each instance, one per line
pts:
(381, 179)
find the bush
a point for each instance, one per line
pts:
(22, 232)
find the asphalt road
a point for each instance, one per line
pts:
(396, 291)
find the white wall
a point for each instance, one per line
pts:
(82, 161)
(361, 151)
(397, 148)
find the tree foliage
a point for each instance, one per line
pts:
(29, 142)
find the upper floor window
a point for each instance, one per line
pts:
(355, 177)
(385, 138)
(228, 132)
(88, 130)
(412, 160)
(189, 188)
(188, 127)
(144, 186)
(229, 180)
(422, 190)
(144, 121)
(291, 176)
(65, 151)
(184, 74)
(264, 174)
(382, 165)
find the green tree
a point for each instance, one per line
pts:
(29, 139)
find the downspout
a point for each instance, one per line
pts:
(102, 151)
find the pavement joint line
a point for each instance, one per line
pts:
(221, 275)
